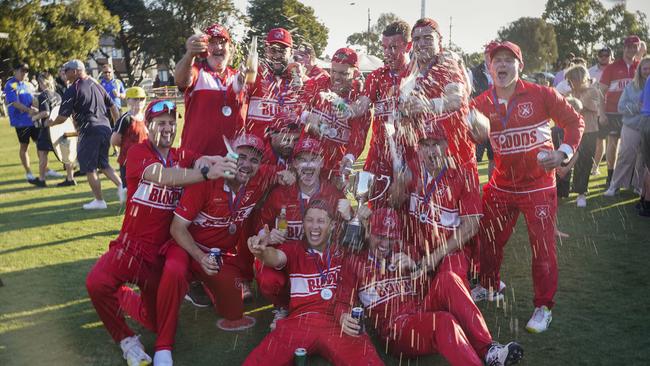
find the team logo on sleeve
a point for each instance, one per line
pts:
(542, 212)
(525, 110)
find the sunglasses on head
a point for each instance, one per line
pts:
(163, 105)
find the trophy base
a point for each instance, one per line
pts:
(353, 236)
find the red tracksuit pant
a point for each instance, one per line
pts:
(449, 322)
(501, 210)
(179, 268)
(320, 335)
(111, 299)
(273, 284)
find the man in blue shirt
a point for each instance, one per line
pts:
(19, 99)
(113, 87)
(88, 104)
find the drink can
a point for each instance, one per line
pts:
(215, 255)
(300, 357)
(543, 154)
(357, 313)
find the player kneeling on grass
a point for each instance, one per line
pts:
(154, 177)
(130, 129)
(213, 215)
(313, 266)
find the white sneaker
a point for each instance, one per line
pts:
(480, 293)
(581, 201)
(610, 192)
(278, 314)
(53, 174)
(95, 205)
(133, 352)
(163, 358)
(504, 355)
(540, 320)
(29, 176)
(121, 194)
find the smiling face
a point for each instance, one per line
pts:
(248, 163)
(504, 68)
(395, 49)
(433, 153)
(644, 68)
(219, 52)
(308, 165)
(426, 44)
(107, 72)
(278, 57)
(630, 51)
(317, 225)
(341, 77)
(381, 246)
(162, 130)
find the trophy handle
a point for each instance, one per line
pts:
(387, 179)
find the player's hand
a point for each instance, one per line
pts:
(222, 167)
(344, 208)
(350, 325)
(346, 165)
(553, 160)
(48, 123)
(312, 124)
(277, 237)
(453, 97)
(208, 265)
(364, 212)
(196, 44)
(403, 261)
(257, 243)
(415, 104)
(286, 177)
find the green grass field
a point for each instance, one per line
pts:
(48, 244)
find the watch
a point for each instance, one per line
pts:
(204, 172)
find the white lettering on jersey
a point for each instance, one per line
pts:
(340, 126)
(436, 214)
(205, 81)
(205, 220)
(294, 230)
(384, 107)
(379, 292)
(264, 109)
(156, 196)
(521, 139)
(616, 86)
(303, 285)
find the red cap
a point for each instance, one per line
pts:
(162, 106)
(323, 203)
(507, 46)
(249, 140)
(281, 36)
(630, 40)
(346, 56)
(307, 144)
(217, 30)
(434, 131)
(490, 46)
(426, 22)
(384, 222)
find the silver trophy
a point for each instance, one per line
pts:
(362, 185)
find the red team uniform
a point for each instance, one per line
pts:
(310, 323)
(616, 76)
(212, 209)
(134, 257)
(213, 110)
(518, 132)
(273, 283)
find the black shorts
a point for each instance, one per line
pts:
(44, 143)
(613, 126)
(92, 151)
(26, 133)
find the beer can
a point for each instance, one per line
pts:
(543, 154)
(357, 313)
(215, 255)
(300, 357)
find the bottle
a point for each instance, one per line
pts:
(300, 357)
(282, 220)
(251, 62)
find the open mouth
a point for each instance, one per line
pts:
(315, 236)
(502, 75)
(307, 172)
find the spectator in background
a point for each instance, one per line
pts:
(643, 50)
(19, 99)
(47, 100)
(61, 82)
(130, 129)
(113, 87)
(482, 81)
(644, 205)
(563, 87)
(595, 72)
(629, 164)
(588, 94)
(564, 65)
(306, 56)
(89, 105)
(615, 77)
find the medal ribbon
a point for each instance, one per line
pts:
(322, 273)
(234, 207)
(160, 157)
(428, 193)
(495, 101)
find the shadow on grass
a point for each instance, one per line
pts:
(41, 199)
(62, 241)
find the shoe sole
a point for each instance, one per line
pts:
(243, 327)
(515, 354)
(198, 305)
(536, 331)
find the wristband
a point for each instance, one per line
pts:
(204, 172)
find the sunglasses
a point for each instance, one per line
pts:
(163, 105)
